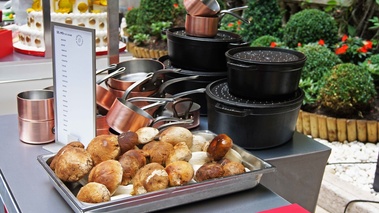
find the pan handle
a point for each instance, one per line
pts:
(189, 92)
(136, 84)
(111, 67)
(175, 80)
(243, 66)
(219, 107)
(180, 113)
(113, 74)
(151, 99)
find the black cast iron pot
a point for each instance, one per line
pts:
(252, 124)
(264, 72)
(200, 54)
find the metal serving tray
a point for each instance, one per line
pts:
(172, 196)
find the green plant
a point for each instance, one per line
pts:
(372, 65)
(267, 41)
(154, 11)
(265, 18)
(308, 26)
(320, 60)
(146, 23)
(158, 27)
(230, 24)
(347, 89)
(141, 38)
(353, 49)
(131, 16)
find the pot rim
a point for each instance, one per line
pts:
(171, 33)
(231, 52)
(262, 105)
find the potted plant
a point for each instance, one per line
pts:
(146, 25)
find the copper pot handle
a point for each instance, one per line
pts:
(113, 74)
(136, 84)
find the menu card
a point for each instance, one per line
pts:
(74, 66)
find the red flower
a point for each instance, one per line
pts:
(176, 5)
(239, 22)
(299, 44)
(273, 44)
(342, 49)
(367, 44)
(130, 8)
(362, 49)
(321, 42)
(344, 37)
(230, 24)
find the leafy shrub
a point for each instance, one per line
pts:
(154, 11)
(320, 59)
(372, 64)
(265, 18)
(308, 26)
(131, 16)
(267, 41)
(310, 89)
(347, 90)
(230, 24)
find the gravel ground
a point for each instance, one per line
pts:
(354, 162)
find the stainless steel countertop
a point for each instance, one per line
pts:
(25, 187)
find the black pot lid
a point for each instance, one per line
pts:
(266, 55)
(221, 36)
(219, 91)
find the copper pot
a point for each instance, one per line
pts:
(201, 7)
(125, 116)
(207, 26)
(36, 105)
(104, 97)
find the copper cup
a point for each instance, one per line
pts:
(36, 132)
(36, 105)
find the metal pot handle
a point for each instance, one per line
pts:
(135, 85)
(219, 107)
(189, 92)
(234, 45)
(111, 67)
(174, 80)
(113, 74)
(243, 66)
(175, 123)
(185, 113)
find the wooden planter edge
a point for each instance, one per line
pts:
(337, 129)
(141, 52)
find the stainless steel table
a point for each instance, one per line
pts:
(25, 186)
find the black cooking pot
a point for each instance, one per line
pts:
(201, 54)
(252, 124)
(264, 72)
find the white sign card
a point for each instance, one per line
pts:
(74, 68)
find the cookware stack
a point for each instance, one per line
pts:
(259, 101)
(199, 48)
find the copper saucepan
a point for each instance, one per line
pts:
(136, 69)
(207, 26)
(125, 116)
(104, 97)
(201, 7)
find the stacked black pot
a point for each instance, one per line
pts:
(201, 56)
(258, 103)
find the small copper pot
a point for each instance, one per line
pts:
(207, 26)
(201, 26)
(201, 7)
(36, 132)
(36, 105)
